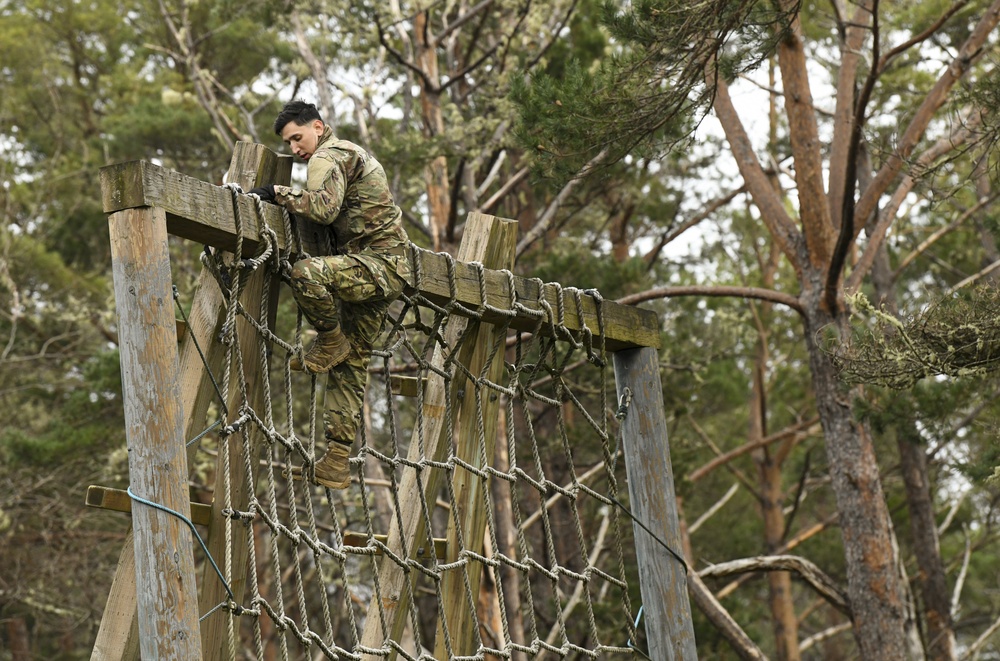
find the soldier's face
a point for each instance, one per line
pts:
(302, 139)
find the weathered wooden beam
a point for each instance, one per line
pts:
(251, 165)
(118, 636)
(406, 386)
(196, 210)
(409, 530)
(624, 326)
(164, 554)
(117, 500)
(483, 353)
(202, 212)
(662, 576)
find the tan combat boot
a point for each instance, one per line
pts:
(333, 470)
(329, 349)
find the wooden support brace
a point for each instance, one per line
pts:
(483, 353)
(252, 165)
(116, 500)
(388, 619)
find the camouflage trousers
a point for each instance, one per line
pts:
(354, 292)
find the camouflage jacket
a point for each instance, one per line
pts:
(346, 189)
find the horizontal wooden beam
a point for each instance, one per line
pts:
(624, 326)
(196, 210)
(118, 500)
(201, 212)
(406, 386)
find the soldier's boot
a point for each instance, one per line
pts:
(329, 349)
(333, 470)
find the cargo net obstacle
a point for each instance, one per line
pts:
(484, 519)
(548, 569)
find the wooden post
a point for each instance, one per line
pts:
(469, 514)
(662, 578)
(117, 637)
(252, 165)
(406, 540)
(164, 556)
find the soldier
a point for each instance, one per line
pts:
(345, 296)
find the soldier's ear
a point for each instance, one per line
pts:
(318, 126)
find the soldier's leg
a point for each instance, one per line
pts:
(319, 284)
(345, 392)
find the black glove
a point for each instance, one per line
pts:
(265, 193)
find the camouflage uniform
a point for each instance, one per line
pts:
(347, 189)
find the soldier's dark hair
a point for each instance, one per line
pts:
(299, 112)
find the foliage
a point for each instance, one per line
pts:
(645, 96)
(956, 336)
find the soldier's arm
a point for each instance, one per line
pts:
(321, 199)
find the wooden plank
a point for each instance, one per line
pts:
(251, 165)
(478, 410)
(164, 554)
(625, 326)
(662, 578)
(118, 500)
(202, 212)
(196, 210)
(409, 530)
(406, 386)
(118, 635)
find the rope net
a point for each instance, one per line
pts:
(529, 449)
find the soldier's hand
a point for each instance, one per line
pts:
(265, 193)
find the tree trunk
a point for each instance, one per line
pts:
(872, 583)
(940, 637)
(17, 635)
(783, 620)
(436, 172)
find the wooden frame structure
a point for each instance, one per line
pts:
(154, 605)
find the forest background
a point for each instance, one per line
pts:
(746, 168)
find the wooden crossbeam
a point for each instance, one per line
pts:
(201, 212)
(118, 500)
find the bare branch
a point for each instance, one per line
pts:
(706, 290)
(430, 85)
(940, 232)
(460, 21)
(315, 66)
(504, 190)
(847, 234)
(719, 504)
(809, 572)
(707, 211)
(960, 580)
(737, 473)
(772, 209)
(888, 215)
(969, 53)
(797, 432)
(824, 635)
(920, 38)
(720, 618)
(973, 278)
(974, 649)
(550, 211)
